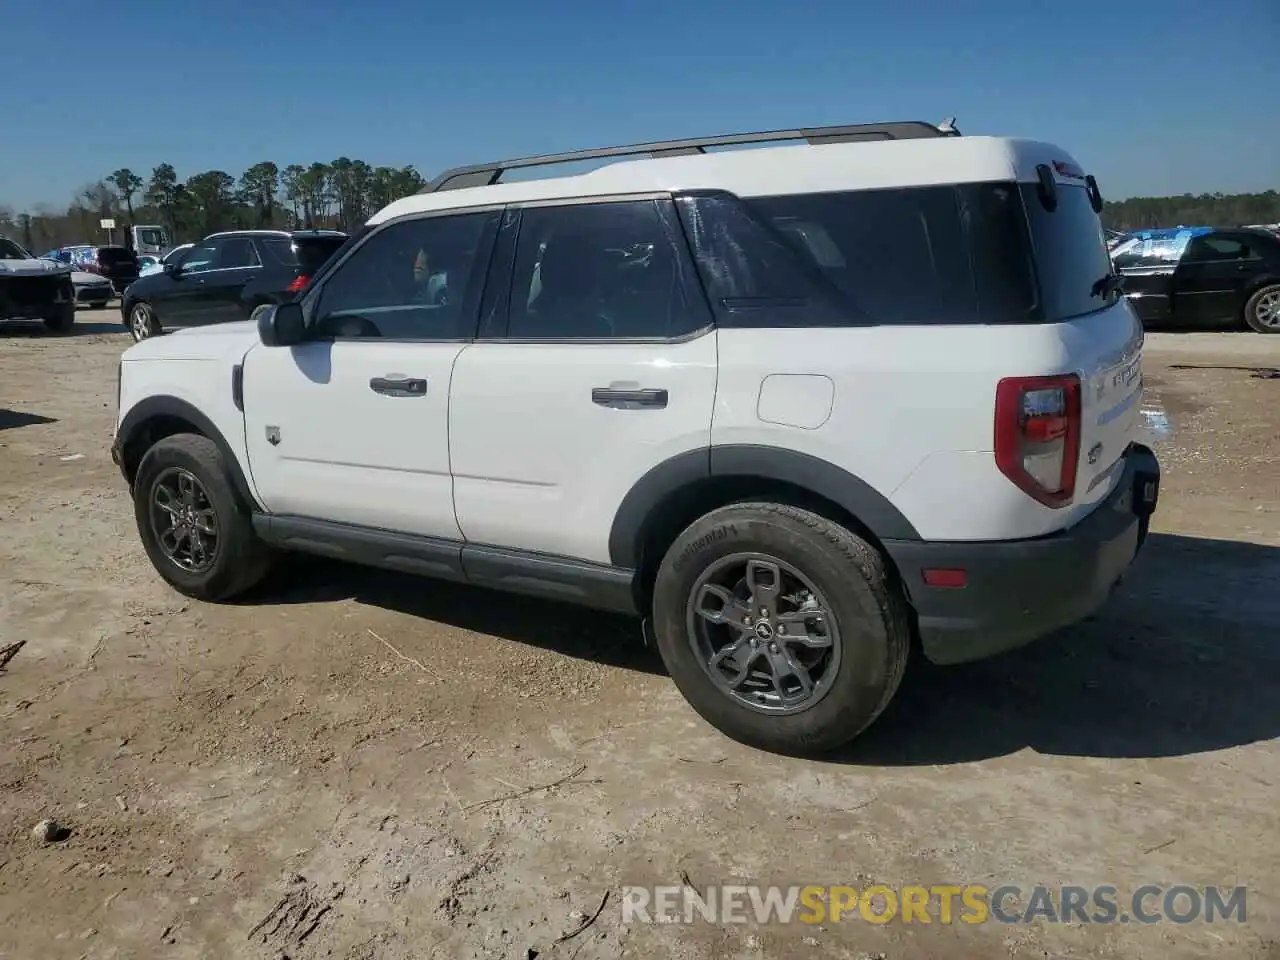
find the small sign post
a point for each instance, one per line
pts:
(108, 224)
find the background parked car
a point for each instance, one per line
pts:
(33, 288)
(91, 289)
(1203, 276)
(226, 277)
(156, 264)
(119, 265)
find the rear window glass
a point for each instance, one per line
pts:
(1070, 251)
(114, 255)
(928, 255)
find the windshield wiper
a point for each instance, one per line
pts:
(1105, 286)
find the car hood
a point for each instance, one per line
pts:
(32, 268)
(212, 342)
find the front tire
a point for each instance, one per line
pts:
(1262, 311)
(142, 322)
(197, 531)
(781, 628)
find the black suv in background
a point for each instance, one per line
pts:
(225, 277)
(1202, 277)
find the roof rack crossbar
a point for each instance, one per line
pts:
(487, 174)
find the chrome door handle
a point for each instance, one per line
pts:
(398, 386)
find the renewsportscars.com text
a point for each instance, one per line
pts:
(937, 903)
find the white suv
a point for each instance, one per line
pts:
(795, 406)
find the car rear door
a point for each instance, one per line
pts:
(1211, 279)
(1147, 265)
(217, 296)
(596, 361)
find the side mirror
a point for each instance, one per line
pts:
(281, 325)
(173, 269)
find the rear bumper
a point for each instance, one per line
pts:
(1020, 590)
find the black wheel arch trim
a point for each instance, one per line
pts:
(826, 480)
(163, 405)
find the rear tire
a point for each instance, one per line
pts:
(142, 322)
(853, 652)
(183, 496)
(1262, 311)
(63, 320)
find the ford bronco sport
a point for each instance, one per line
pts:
(796, 406)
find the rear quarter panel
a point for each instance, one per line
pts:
(912, 412)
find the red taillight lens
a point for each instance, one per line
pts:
(297, 285)
(1038, 435)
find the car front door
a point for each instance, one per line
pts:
(352, 426)
(1212, 277)
(1148, 266)
(596, 361)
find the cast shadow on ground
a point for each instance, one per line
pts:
(564, 628)
(1184, 658)
(37, 331)
(12, 419)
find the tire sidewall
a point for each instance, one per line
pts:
(1251, 309)
(857, 692)
(201, 457)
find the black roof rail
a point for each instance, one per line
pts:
(487, 174)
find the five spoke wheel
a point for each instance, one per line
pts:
(764, 633)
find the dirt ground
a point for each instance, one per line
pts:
(278, 760)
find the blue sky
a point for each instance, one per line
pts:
(1155, 98)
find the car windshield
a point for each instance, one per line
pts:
(11, 251)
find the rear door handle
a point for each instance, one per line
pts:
(629, 398)
(398, 386)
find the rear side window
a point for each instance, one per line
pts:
(237, 252)
(1070, 252)
(1210, 248)
(927, 255)
(900, 255)
(280, 250)
(311, 253)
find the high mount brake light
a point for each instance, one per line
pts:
(1038, 435)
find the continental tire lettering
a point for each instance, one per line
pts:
(704, 541)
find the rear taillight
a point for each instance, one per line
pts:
(1038, 435)
(297, 285)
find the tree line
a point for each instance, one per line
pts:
(1207, 209)
(344, 193)
(340, 195)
